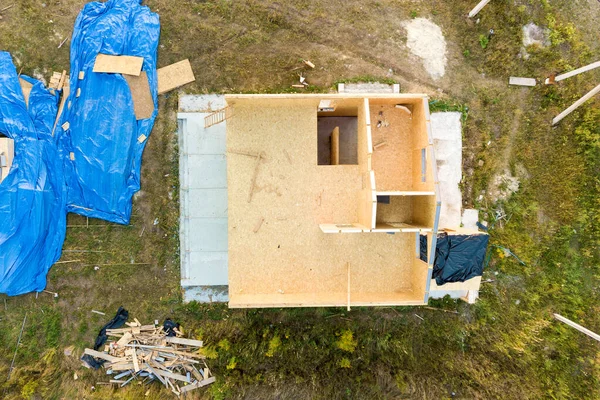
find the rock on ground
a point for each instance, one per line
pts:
(426, 40)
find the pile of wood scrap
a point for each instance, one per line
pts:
(145, 353)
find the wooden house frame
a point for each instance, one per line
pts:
(340, 234)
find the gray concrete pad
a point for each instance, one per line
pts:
(447, 141)
(203, 198)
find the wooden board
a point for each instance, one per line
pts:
(26, 89)
(63, 100)
(516, 81)
(7, 146)
(143, 103)
(174, 76)
(335, 146)
(129, 65)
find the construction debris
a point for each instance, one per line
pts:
(149, 353)
(478, 8)
(308, 63)
(553, 79)
(513, 80)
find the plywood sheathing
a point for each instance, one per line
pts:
(290, 261)
(419, 276)
(129, 65)
(174, 76)
(143, 104)
(392, 163)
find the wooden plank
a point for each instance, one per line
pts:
(198, 384)
(63, 100)
(174, 76)
(576, 105)
(478, 8)
(513, 80)
(577, 326)
(335, 146)
(155, 374)
(143, 104)
(129, 65)
(577, 71)
(125, 339)
(103, 356)
(26, 89)
(171, 375)
(187, 342)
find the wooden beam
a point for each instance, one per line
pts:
(577, 71)
(478, 8)
(335, 146)
(576, 105)
(577, 326)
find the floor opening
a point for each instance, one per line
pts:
(337, 140)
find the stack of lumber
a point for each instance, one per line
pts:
(145, 353)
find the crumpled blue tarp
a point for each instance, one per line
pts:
(93, 166)
(103, 132)
(32, 197)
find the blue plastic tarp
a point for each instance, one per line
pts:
(103, 169)
(32, 197)
(91, 165)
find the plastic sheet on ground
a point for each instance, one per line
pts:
(103, 169)
(32, 197)
(457, 257)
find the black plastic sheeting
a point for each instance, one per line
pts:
(457, 257)
(115, 323)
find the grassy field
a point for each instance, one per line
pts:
(505, 346)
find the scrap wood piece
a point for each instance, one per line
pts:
(26, 89)
(63, 42)
(174, 75)
(129, 65)
(577, 326)
(258, 224)
(64, 96)
(516, 81)
(143, 104)
(188, 342)
(379, 145)
(54, 80)
(253, 184)
(197, 385)
(478, 8)
(103, 356)
(575, 105)
(577, 71)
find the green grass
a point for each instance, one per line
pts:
(507, 345)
